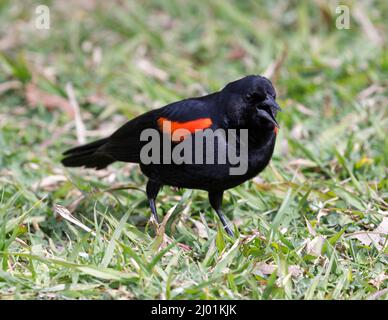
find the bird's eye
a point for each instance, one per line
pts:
(255, 97)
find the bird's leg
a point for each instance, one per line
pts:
(152, 190)
(215, 199)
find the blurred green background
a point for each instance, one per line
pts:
(313, 225)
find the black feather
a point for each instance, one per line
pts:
(91, 155)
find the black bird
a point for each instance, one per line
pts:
(247, 103)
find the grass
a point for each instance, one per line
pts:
(305, 225)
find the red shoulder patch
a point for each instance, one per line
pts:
(275, 129)
(169, 127)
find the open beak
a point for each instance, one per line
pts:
(270, 110)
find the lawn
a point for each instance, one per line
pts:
(313, 225)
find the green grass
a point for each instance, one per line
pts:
(326, 184)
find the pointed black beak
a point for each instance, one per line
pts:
(268, 110)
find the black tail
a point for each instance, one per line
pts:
(89, 155)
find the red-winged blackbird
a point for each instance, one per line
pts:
(248, 103)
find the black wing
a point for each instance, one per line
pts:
(124, 144)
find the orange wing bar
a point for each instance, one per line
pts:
(191, 126)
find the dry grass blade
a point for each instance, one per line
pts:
(263, 268)
(368, 27)
(79, 125)
(272, 71)
(65, 214)
(35, 96)
(10, 85)
(376, 237)
(50, 182)
(376, 295)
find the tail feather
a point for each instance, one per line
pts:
(90, 155)
(89, 146)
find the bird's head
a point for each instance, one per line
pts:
(251, 102)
